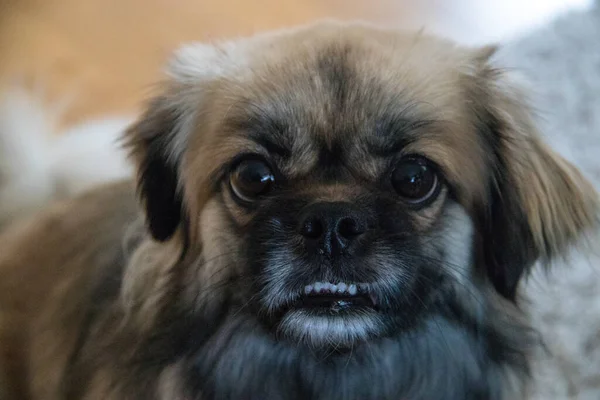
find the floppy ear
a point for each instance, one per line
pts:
(150, 140)
(158, 139)
(538, 203)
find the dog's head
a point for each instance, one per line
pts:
(342, 180)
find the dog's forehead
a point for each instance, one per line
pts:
(342, 95)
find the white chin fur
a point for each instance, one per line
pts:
(330, 331)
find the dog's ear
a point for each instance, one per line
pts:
(538, 203)
(150, 141)
(158, 140)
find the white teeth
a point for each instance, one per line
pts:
(340, 288)
(352, 290)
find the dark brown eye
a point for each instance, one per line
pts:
(250, 179)
(415, 180)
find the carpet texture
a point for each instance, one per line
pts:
(562, 61)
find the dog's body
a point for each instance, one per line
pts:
(333, 212)
(80, 256)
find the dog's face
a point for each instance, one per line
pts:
(348, 183)
(337, 231)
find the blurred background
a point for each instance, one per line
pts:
(103, 55)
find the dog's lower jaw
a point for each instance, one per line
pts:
(437, 359)
(324, 331)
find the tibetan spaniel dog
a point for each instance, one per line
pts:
(332, 212)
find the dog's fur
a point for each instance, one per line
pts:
(95, 304)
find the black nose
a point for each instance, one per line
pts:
(332, 226)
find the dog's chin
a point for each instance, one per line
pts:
(334, 329)
(330, 317)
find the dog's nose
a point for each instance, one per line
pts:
(332, 226)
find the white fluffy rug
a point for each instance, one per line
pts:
(562, 60)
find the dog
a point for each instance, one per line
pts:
(333, 211)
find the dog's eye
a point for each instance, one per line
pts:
(250, 179)
(415, 179)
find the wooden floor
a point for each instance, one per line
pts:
(104, 54)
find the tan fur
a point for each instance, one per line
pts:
(429, 70)
(49, 264)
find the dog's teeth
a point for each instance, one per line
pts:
(352, 290)
(340, 287)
